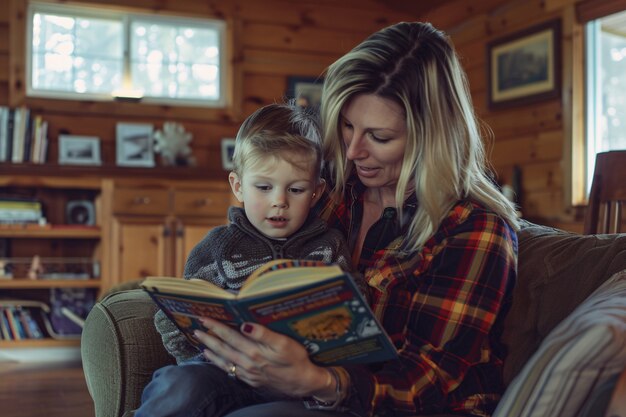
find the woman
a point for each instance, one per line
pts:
(428, 229)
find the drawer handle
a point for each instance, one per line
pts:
(141, 200)
(203, 202)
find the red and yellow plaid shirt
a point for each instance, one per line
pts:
(442, 306)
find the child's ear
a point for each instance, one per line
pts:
(317, 194)
(235, 185)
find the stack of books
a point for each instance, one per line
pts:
(20, 211)
(23, 137)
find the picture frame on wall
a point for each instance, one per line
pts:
(525, 67)
(228, 149)
(134, 144)
(306, 90)
(79, 150)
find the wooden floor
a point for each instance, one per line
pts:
(44, 390)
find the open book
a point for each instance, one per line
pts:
(317, 304)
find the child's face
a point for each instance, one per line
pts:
(277, 195)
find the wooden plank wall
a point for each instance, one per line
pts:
(273, 39)
(534, 137)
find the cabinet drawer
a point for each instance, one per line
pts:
(140, 201)
(201, 203)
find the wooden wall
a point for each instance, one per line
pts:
(270, 39)
(537, 137)
(273, 39)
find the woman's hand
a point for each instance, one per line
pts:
(264, 358)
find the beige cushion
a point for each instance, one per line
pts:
(557, 271)
(582, 353)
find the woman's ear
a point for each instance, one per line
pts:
(317, 194)
(235, 185)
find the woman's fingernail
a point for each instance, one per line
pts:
(246, 328)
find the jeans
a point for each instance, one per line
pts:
(200, 389)
(196, 389)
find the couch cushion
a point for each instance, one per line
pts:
(557, 270)
(582, 353)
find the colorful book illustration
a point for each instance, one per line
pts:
(317, 304)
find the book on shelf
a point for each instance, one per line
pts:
(12, 323)
(4, 133)
(318, 305)
(20, 210)
(5, 329)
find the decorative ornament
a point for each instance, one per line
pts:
(173, 144)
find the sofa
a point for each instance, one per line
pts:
(558, 271)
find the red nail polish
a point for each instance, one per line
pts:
(246, 328)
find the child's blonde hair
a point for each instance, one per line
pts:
(280, 131)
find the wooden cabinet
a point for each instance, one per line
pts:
(155, 224)
(143, 226)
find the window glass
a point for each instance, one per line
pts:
(76, 54)
(170, 60)
(606, 87)
(79, 52)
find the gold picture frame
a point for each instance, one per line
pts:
(525, 67)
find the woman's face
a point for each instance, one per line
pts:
(374, 132)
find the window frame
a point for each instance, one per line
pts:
(126, 18)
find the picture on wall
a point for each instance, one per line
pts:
(306, 90)
(135, 144)
(79, 150)
(525, 67)
(228, 149)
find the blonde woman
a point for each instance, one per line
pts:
(427, 227)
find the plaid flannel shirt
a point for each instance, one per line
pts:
(443, 308)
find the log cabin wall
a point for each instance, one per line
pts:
(537, 137)
(270, 40)
(274, 39)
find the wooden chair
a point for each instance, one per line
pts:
(608, 194)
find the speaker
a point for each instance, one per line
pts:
(80, 212)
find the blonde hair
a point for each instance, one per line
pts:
(281, 131)
(415, 66)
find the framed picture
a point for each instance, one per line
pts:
(306, 90)
(79, 150)
(525, 67)
(228, 149)
(134, 144)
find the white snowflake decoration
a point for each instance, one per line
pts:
(173, 144)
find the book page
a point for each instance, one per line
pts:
(192, 286)
(285, 274)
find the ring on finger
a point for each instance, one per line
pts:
(232, 371)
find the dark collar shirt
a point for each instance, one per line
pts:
(443, 307)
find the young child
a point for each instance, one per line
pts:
(276, 176)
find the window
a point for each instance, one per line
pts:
(605, 87)
(80, 52)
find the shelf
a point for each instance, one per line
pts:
(48, 283)
(39, 343)
(47, 175)
(56, 231)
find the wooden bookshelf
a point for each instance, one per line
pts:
(26, 284)
(38, 343)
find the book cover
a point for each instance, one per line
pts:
(4, 121)
(30, 324)
(4, 326)
(12, 324)
(318, 305)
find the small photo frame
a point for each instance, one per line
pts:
(525, 66)
(228, 149)
(79, 150)
(134, 144)
(306, 90)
